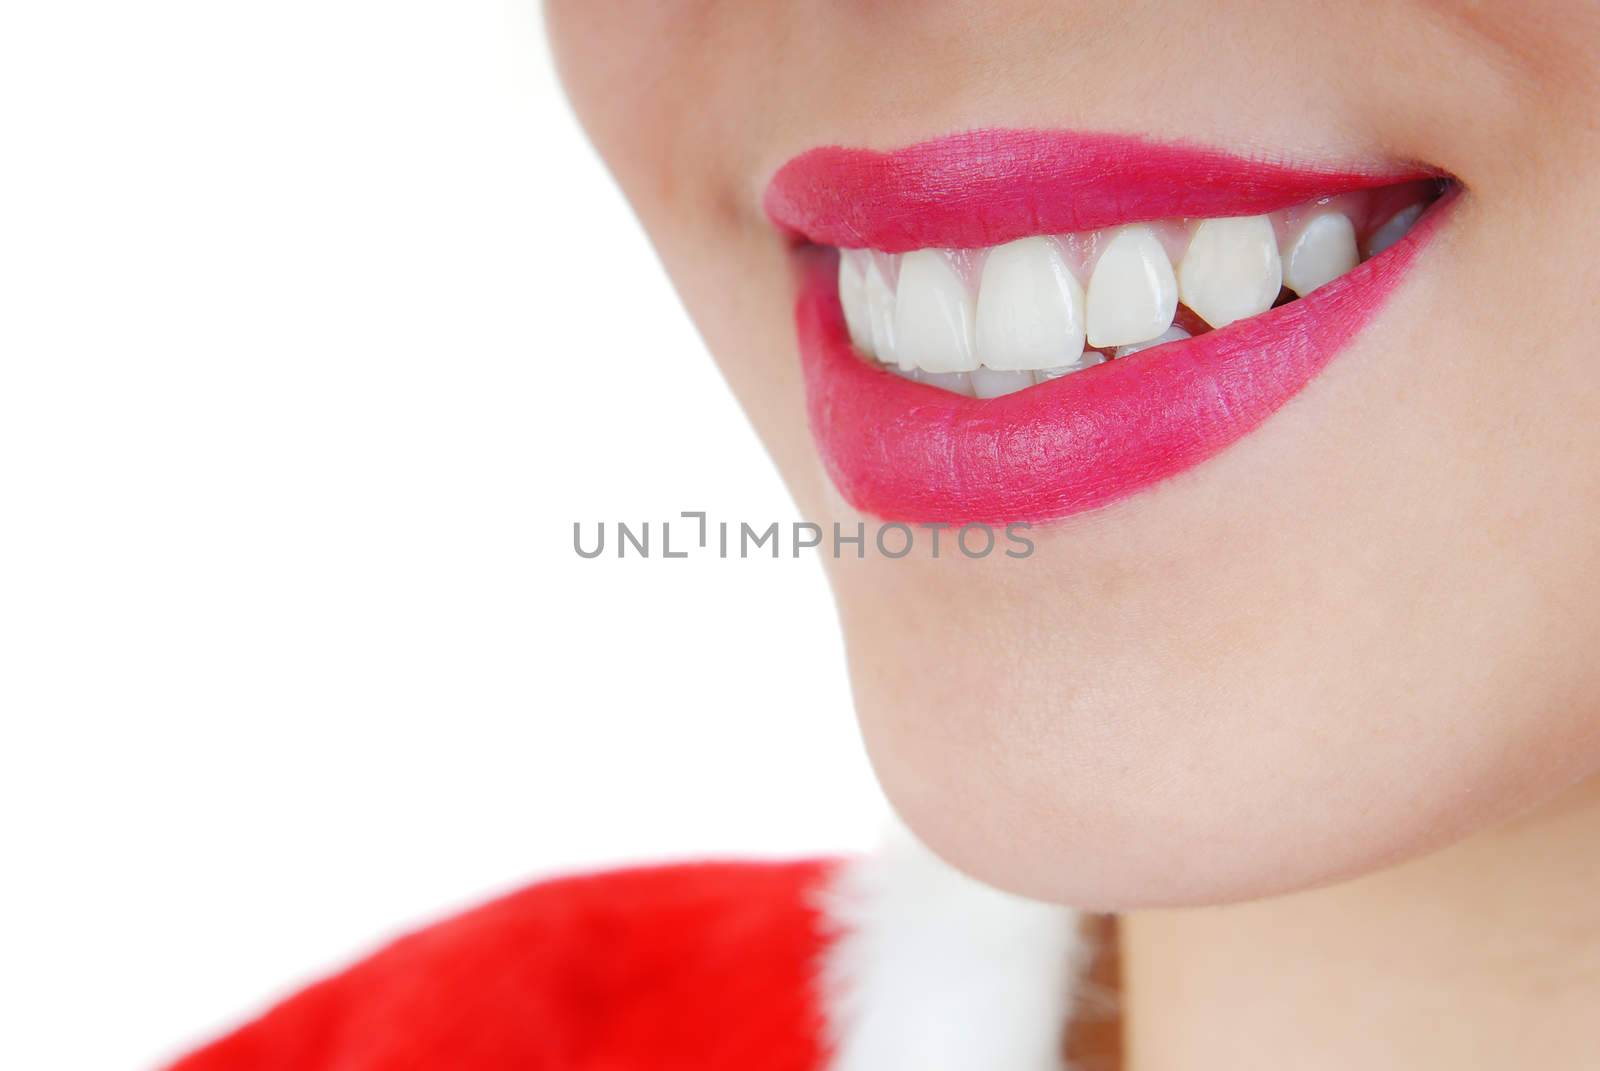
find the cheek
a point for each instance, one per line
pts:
(639, 80)
(1363, 631)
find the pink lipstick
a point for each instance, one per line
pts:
(908, 451)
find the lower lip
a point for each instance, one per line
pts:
(906, 451)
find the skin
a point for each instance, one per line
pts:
(1360, 634)
(1483, 955)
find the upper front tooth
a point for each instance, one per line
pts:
(1232, 269)
(1324, 250)
(1132, 294)
(853, 299)
(1030, 308)
(933, 314)
(880, 311)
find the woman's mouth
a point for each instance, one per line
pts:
(1018, 326)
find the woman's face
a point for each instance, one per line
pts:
(1306, 596)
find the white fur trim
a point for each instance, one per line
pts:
(932, 971)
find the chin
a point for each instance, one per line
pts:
(1107, 800)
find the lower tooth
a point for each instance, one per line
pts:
(990, 383)
(954, 382)
(1171, 334)
(1088, 359)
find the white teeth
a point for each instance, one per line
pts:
(880, 311)
(1088, 359)
(853, 299)
(988, 322)
(1324, 249)
(1030, 308)
(992, 383)
(954, 382)
(1231, 270)
(1171, 334)
(1394, 230)
(1132, 293)
(933, 314)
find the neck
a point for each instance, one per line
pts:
(1486, 954)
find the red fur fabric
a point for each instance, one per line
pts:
(708, 966)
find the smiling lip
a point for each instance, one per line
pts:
(907, 451)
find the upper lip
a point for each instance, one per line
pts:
(988, 187)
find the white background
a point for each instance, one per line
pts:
(320, 324)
